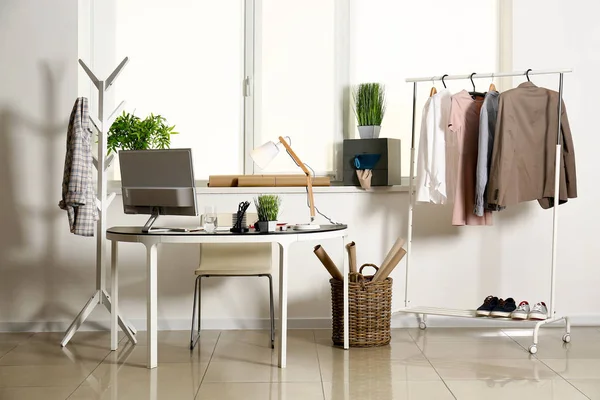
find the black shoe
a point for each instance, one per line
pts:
(504, 308)
(488, 305)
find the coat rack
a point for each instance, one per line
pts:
(101, 162)
(423, 311)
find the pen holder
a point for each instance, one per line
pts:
(239, 221)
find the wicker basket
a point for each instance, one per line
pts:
(370, 310)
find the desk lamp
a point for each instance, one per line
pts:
(264, 154)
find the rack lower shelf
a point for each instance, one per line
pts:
(453, 312)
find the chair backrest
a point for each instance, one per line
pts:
(238, 256)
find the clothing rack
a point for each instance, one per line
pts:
(101, 162)
(422, 312)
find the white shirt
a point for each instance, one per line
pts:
(431, 161)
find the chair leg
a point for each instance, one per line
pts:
(197, 295)
(272, 310)
(199, 303)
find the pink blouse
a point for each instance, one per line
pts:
(461, 156)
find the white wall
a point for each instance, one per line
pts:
(47, 274)
(394, 40)
(560, 34)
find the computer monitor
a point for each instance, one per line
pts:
(158, 182)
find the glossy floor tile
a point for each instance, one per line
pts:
(35, 393)
(585, 342)
(170, 380)
(476, 349)
(575, 368)
(514, 390)
(261, 391)
(493, 369)
(589, 387)
(435, 364)
(387, 390)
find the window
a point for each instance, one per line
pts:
(186, 64)
(193, 62)
(295, 89)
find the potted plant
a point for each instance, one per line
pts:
(129, 132)
(267, 207)
(369, 108)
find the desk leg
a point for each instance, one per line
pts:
(151, 298)
(283, 287)
(345, 271)
(114, 304)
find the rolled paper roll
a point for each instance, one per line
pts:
(397, 245)
(386, 270)
(328, 263)
(351, 247)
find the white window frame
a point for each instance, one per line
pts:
(87, 50)
(251, 79)
(253, 73)
(250, 31)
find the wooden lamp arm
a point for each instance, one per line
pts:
(311, 198)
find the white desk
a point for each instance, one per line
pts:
(152, 240)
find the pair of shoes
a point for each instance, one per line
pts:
(539, 312)
(495, 307)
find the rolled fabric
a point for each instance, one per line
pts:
(386, 270)
(351, 247)
(328, 263)
(397, 245)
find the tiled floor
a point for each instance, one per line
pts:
(434, 364)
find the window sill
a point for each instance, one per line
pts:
(201, 188)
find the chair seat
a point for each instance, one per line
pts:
(234, 271)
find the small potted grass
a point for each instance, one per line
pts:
(267, 207)
(369, 108)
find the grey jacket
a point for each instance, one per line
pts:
(487, 127)
(78, 197)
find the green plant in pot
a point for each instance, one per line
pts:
(369, 108)
(267, 207)
(130, 132)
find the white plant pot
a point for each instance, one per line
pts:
(369, 131)
(267, 226)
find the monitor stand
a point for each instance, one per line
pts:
(153, 217)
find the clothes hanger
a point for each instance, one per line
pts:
(444, 83)
(433, 89)
(492, 86)
(475, 93)
(527, 74)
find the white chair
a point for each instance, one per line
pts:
(241, 260)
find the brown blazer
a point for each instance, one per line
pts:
(523, 157)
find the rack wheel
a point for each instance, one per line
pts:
(567, 338)
(422, 325)
(533, 349)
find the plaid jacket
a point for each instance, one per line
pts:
(78, 197)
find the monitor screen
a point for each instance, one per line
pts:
(158, 182)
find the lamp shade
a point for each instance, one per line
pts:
(264, 154)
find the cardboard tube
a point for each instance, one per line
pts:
(326, 261)
(351, 247)
(397, 245)
(386, 270)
